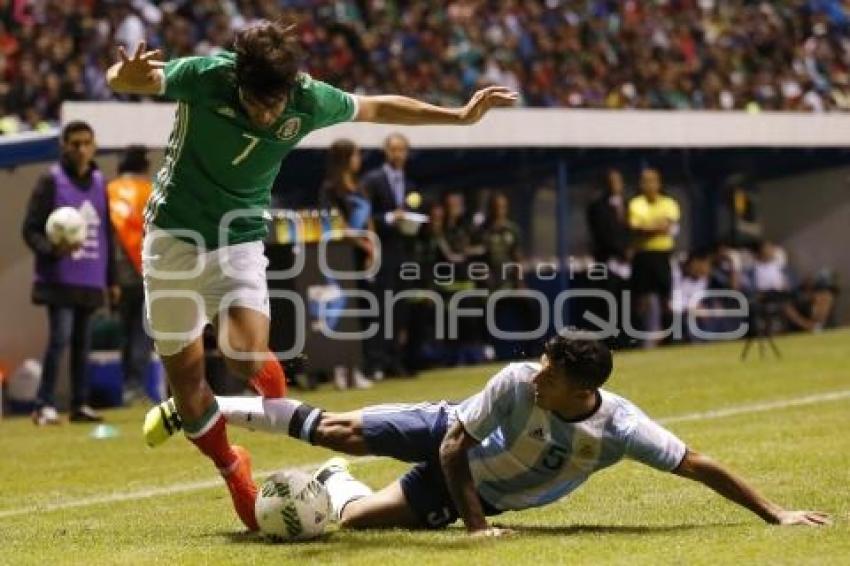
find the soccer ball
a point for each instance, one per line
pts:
(66, 225)
(292, 506)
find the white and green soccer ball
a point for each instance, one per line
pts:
(292, 506)
(66, 225)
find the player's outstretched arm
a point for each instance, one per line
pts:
(703, 469)
(455, 464)
(139, 74)
(391, 109)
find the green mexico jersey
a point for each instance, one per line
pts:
(218, 170)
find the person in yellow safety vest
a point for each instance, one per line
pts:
(128, 194)
(654, 221)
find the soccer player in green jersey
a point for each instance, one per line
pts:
(239, 113)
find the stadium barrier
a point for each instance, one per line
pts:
(29, 147)
(522, 127)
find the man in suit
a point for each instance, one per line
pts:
(607, 219)
(608, 222)
(387, 187)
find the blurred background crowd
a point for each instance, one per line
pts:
(663, 54)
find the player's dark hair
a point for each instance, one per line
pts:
(135, 160)
(585, 362)
(267, 59)
(74, 127)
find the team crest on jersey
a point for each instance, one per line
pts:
(226, 111)
(538, 434)
(585, 451)
(289, 129)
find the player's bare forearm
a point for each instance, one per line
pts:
(455, 465)
(703, 469)
(391, 109)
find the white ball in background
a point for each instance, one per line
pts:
(66, 225)
(291, 506)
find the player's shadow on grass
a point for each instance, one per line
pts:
(356, 543)
(364, 540)
(456, 539)
(561, 530)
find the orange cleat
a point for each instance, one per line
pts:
(242, 488)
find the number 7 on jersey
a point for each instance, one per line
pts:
(254, 140)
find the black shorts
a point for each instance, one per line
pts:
(413, 433)
(651, 274)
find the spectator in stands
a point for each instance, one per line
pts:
(654, 220)
(732, 55)
(726, 268)
(726, 275)
(70, 280)
(746, 225)
(813, 304)
(769, 289)
(387, 188)
(501, 242)
(430, 250)
(341, 190)
(128, 195)
(501, 246)
(690, 282)
(769, 273)
(458, 225)
(458, 233)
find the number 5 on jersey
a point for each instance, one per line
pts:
(252, 143)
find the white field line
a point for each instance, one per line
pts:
(186, 487)
(758, 407)
(166, 490)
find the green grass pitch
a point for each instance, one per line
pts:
(66, 498)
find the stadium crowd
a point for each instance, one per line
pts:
(675, 54)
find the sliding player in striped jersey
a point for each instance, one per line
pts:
(239, 113)
(533, 435)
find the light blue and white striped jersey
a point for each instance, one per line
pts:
(529, 456)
